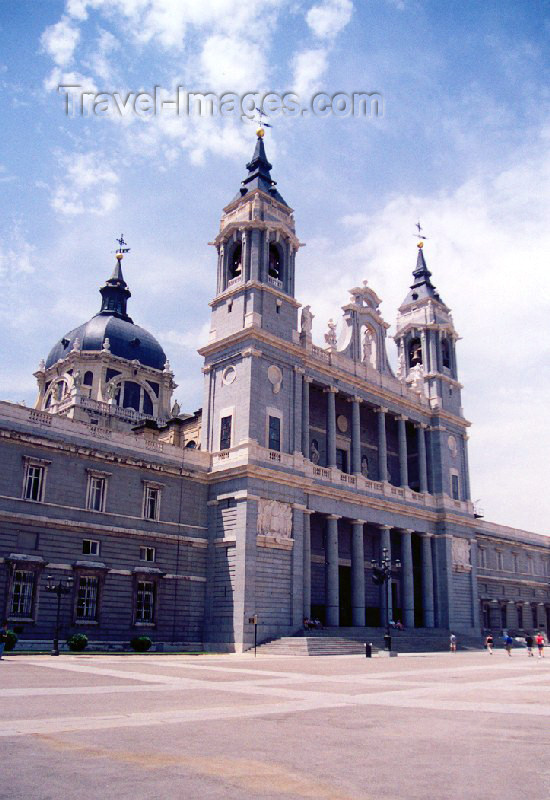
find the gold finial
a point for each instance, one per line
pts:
(420, 245)
(260, 133)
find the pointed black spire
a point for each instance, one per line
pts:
(422, 286)
(259, 173)
(115, 293)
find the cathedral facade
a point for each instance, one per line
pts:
(304, 469)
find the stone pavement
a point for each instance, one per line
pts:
(338, 728)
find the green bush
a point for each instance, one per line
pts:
(77, 642)
(11, 640)
(141, 644)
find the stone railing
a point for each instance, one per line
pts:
(64, 427)
(274, 282)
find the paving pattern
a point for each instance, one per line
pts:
(437, 726)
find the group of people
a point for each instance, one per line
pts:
(530, 640)
(312, 624)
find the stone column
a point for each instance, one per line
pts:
(331, 426)
(296, 444)
(382, 447)
(527, 616)
(385, 542)
(356, 436)
(511, 615)
(357, 574)
(427, 582)
(408, 578)
(541, 616)
(434, 346)
(422, 464)
(403, 465)
(305, 416)
(307, 563)
(332, 599)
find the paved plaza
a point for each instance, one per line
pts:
(458, 726)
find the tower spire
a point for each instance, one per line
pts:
(259, 172)
(115, 292)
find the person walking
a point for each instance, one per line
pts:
(452, 643)
(508, 642)
(489, 641)
(540, 644)
(529, 643)
(3, 638)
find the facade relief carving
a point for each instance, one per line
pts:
(461, 555)
(274, 519)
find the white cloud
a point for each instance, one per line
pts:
(327, 19)
(309, 67)
(488, 251)
(223, 67)
(60, 41)
(88, 185)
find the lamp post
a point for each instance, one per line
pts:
(64, 586)
(381, 576)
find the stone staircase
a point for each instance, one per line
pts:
(351, 641)
(312, 646)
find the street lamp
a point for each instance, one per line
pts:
(64, 586)
(381, 576)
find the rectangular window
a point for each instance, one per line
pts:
(145, 601)
(529, 565)
(225, 433)
(482, 557)
(455, 494)
(34, 483)
(22, 594)
(96, 493)
(90, 547)
(151, 502)
(500, 560)
(86, 604)
(515, 562)
(274, 442)
(341, 459)
(147, 554)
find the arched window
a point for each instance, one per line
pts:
(131, 395)
(192, 445)
(446, 353)
(235, 263)
(147, 404)
(275, 267)
(88, 378)
(415, 352)
(60, 391)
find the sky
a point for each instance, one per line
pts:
(460, 141)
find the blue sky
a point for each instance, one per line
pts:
(463, 144)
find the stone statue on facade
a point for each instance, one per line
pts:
(176, 408)
(106, 345)
(306, 321)
(330, 335)
(314, 452)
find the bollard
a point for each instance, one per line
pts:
(368, 649)
(387, 641)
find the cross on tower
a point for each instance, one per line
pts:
(122, 246)
(420, 229)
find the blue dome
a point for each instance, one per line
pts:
(125, 340)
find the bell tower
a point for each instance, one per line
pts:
(250, 358)
(426, 339)
(256, 248)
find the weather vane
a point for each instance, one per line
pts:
(420, 235)
(122, 246)
(260, 122)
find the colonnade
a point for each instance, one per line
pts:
(381, 411)
(358, 573)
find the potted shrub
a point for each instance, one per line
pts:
(77, 642)
(11, 641)
(141, 644)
